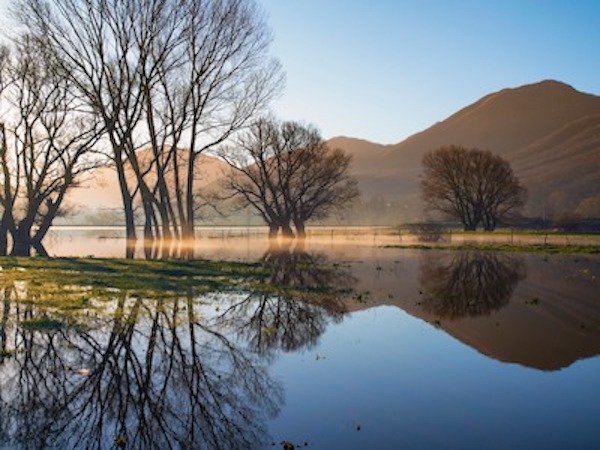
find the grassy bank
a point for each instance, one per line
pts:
(139, 276)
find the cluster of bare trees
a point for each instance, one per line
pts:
(150, 85)
(472, 185)
(166, 80)
(288, 174)
(44, 144)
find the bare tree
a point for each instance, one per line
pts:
(44, 145)
(287, 173)
(173, 77)
(472, 185)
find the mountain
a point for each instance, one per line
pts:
(548, 131)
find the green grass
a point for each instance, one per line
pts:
(137, 276)
(7, 353)
(67, 291)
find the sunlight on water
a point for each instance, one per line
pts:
(229, 243)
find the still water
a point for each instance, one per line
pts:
(414, 349)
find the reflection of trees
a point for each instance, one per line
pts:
(307, 295)
(470, 284)
(159, 377)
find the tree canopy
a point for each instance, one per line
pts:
(45, 143)
(288, 174)
(472, 185)
(176, 77)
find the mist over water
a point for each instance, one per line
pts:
(225, 243)
(362, 347)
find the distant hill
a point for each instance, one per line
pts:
(548, 131)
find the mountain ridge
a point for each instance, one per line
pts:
(548, 131)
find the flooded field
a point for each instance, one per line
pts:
(345, 344)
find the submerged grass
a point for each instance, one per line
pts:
(139, 277)
(67, 291)
(43, 324)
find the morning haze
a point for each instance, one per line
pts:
(251, 224)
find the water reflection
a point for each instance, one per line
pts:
(175, 371)
(469, 283)
(151, 374)
(310, 292)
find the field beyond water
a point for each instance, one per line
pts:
(348, 340)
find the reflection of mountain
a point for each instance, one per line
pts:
(550, 320)
(308, 297)
(470, 284)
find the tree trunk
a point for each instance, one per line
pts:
(273, 230)
(489, 223)
(300, 228)
(130, 234)
(287, 231)
(149, 244)
(22, 242)
(4, 235)
(470, 227)
(188, 228)
(158, 151)
(40, 249)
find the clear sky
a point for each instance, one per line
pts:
(384, 69)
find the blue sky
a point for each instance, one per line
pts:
(383, 70)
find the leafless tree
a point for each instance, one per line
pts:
(472, 185)
(287, 173)
(172, 77)
(44, 145)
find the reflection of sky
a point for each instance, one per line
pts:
(408, 385)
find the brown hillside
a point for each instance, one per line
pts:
(548, 131)
(364, 153)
